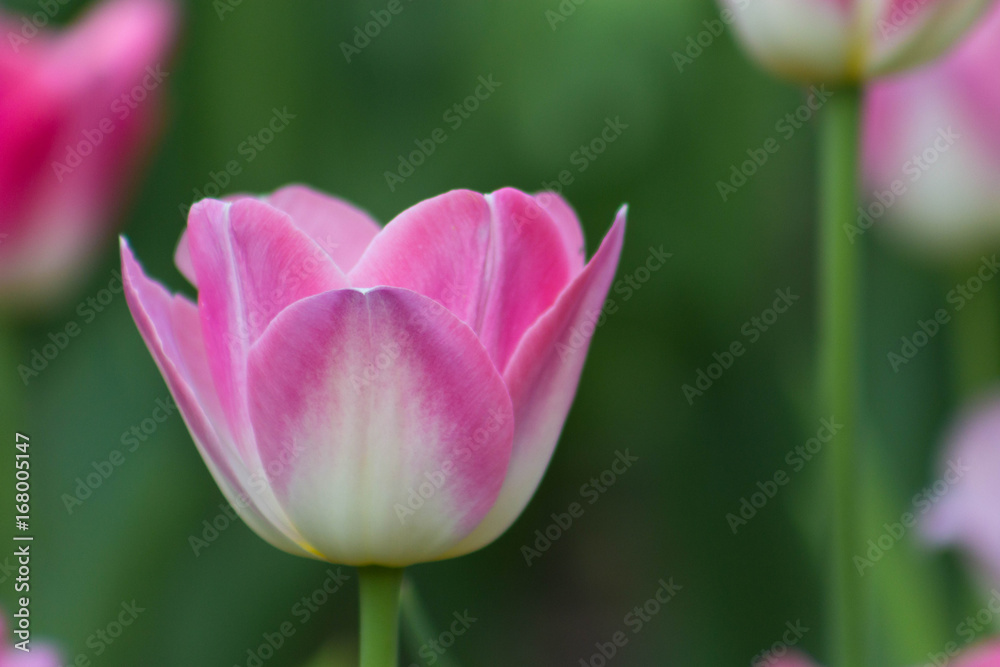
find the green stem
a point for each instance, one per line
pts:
(379, 588)
(839, 350)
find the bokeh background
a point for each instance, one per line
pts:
(665, 517)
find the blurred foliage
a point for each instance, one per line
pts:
(666, 516)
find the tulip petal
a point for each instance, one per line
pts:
(251, 262)
(383, 425)
(497, 262)
(542, 378)
(341, 229)
(569, 228)
(169, 326)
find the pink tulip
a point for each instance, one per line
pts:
(936, 134)
(370, 396)
(834, 41)
(966, 513)
(77, 110)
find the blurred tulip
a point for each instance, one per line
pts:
(966, 514)
(834, 41)
(39, 655)
(77, 110)
(935, 134)
(377, 397)
(983, 655)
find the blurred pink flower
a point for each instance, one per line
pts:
(967, 514)
(39, 655)
(77, 109)
(983, 655)
(934, 136)
(832, 41)
(370, 396)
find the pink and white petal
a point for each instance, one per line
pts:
(251, 262)
(497, 262)
(569, 228)
(382, 423)
(909, 34)
(986, 654)
(343, 230)
(169, 326)
(803, 39)
(542, 379)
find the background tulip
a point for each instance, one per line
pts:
(984, 655)
(377, 397)
(77, 109)
(848, 40)
(40, 655)
(935, 133)
(965, 515)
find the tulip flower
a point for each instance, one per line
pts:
(377, 397)
(842, 41)
(964, 512)
(932, 135)
(78, 108)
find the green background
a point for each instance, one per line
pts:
(665, 517)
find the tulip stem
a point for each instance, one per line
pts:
(839, 362)
(379, 589)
